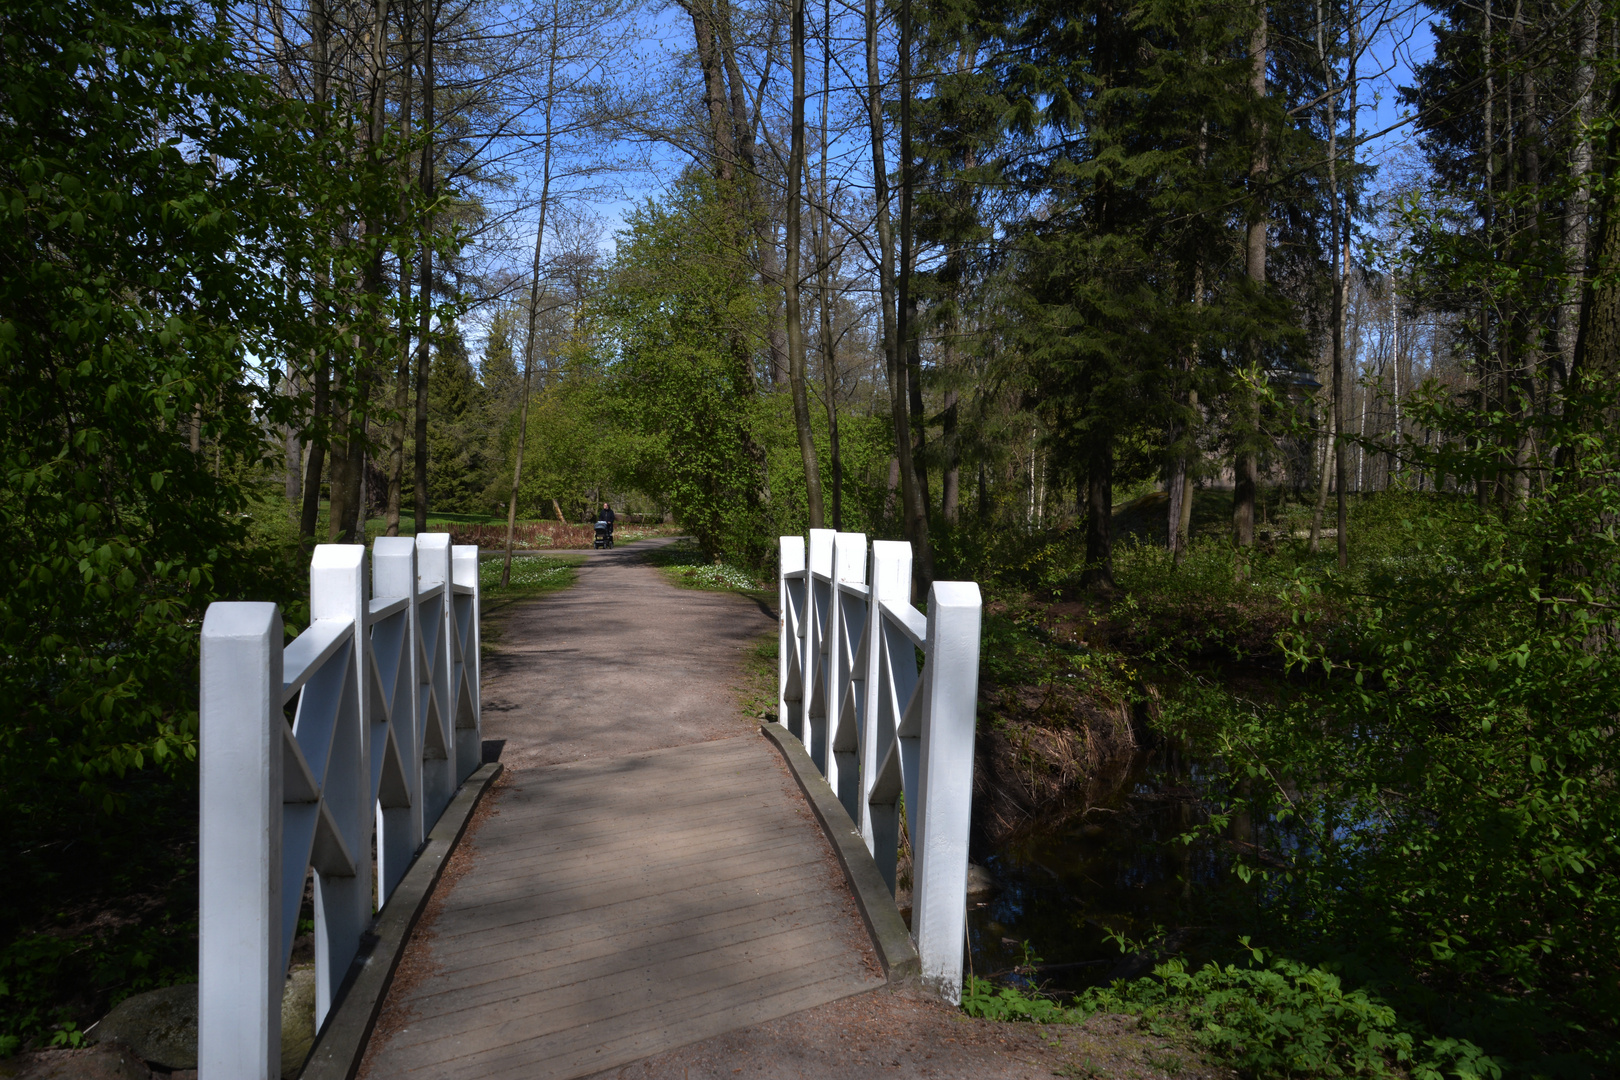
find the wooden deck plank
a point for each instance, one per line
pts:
(730, 837)
(493, 1051)
(622, 907)
(583, 925)
(544, 956)
(619, 983)
(623, 917)
(682, 1031)
(479, 915)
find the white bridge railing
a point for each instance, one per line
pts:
(890, 734)
(381, 692)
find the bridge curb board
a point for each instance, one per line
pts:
(890, 938)
(341, 1043)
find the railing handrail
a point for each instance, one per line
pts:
(386, 728)
(910, 621)
(310, 651)
(882, 730)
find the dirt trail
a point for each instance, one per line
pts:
(620, 663)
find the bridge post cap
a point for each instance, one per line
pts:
(849, 557)
(792, 552)
(954, 595)
(432, 558)
(891, 547)
(337, 556)
(237, 619)
(464, 564)
(393, 545)
(821, 551)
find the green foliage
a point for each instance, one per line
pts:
(1437, 783)
(688, 567)
(681, 325)
(529, 573)
(463, 463)
(1287, 1019)
(1282, 1019)
(167, 226)
(983, 999)
(575, 450)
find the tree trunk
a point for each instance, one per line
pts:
(402, 372)
(723, 148)
(905, 392)
(893, 359)
(1341, 465)
(1577, 207)
(1176, 488)
(534, 303)
(823, 248)
(1596, 362)
(1245, 466)
(348, 513)
(430, 19)
(798, 376)
(1323, 483)
(950, 494)
(315, 459)
(1099, 571)
(754, 202)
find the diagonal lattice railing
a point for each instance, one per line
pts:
(351, 739)
(884, 699)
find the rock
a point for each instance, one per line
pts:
(979, 882)
(297, 1020)
(105, 1061)
(159, 1025)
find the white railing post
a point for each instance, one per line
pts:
(434, 625)
(818, 608)
(848, 625)
(400, 824)
(337, 592)
(891, 582)
(939, 829)
(791, 591)
(374, 681)
(464, 621)
(239, 925)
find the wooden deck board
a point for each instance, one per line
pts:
(620, 907)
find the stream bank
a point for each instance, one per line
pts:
(1084, 808)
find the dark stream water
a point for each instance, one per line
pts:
(1115, 864)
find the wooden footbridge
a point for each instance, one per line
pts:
(637, 869)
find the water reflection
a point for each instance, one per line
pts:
(1114, 862)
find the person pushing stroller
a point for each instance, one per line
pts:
(604, 527)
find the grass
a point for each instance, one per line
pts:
(757, 694)
(684, 565)
(532, 576)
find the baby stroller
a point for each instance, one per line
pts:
(604, 534)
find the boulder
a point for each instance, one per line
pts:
(297, 1020)
(979, 882)
(160, 1026)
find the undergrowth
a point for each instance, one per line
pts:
(685, 565)
(1267, 1020)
